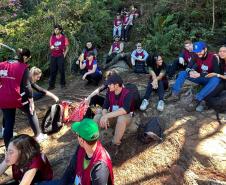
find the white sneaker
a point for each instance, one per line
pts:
(144, 104)
(160, 106)
(41, 137)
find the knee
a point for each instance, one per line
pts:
(215, 80)
(123, 120)
(183, 74)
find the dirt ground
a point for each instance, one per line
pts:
(193, 150)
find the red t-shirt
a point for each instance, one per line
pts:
(39, 162)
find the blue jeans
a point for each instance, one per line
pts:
(117, 31)
(160, 90)
(209, 84)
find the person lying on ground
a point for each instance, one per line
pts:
(117, 109)
(35, 75)
(117, 53)
(197, 71)
(91, 163)
(29, 165)
(158, 82)
(17, 79)
(92, 72)
(138, 59)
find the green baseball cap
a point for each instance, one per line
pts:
(86, 129)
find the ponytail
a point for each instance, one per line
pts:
(23, 52)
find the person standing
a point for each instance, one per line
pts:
(59, 49)
(16, 92)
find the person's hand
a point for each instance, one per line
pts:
(181, 60)
(84, 77)
(65, 55)
(87, 101)
(52, 47)
(194, 74)
(155, 84)
(211, 75)
(104, 123)
(31, 106)
(56, 99)
(77, 62)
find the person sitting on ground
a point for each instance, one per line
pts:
(92, 72)
(222, 75)
(117, 53)
(138, 59)
(184, 58)
(91, 163)
(134, 12)
(127, 25)
(19, 96)
(117, 107)
(29, 165)
(117, 29)
(196, 72)
(35, 75)
(158, 81)
(89, 47)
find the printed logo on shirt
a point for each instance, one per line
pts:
(78, 180)
(140, 57)
(57, 43)
(115, 107)
(204, 68)
(3, 73)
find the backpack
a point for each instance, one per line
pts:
(218, 104)
(52, 121)
(150, 131)
(135, 93)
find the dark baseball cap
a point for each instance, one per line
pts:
(114, 79)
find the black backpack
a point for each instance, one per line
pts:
(52, 121)
(135, 93)
(150, 131)
(218, 104)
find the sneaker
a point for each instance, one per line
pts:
(41, 137)
(160, 106)
(192, 106)
(144, 104)
(201, 107)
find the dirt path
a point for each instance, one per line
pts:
(193, 150)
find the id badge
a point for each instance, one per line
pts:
(140, 57)
(115, 107)
(204, 68)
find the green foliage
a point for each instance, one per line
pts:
(82, 20)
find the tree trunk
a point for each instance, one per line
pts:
(213, 15)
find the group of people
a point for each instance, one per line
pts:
(123, 23)
(91, 163)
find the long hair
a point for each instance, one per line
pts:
(23, 52)
(154, 63)
(28, 148)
